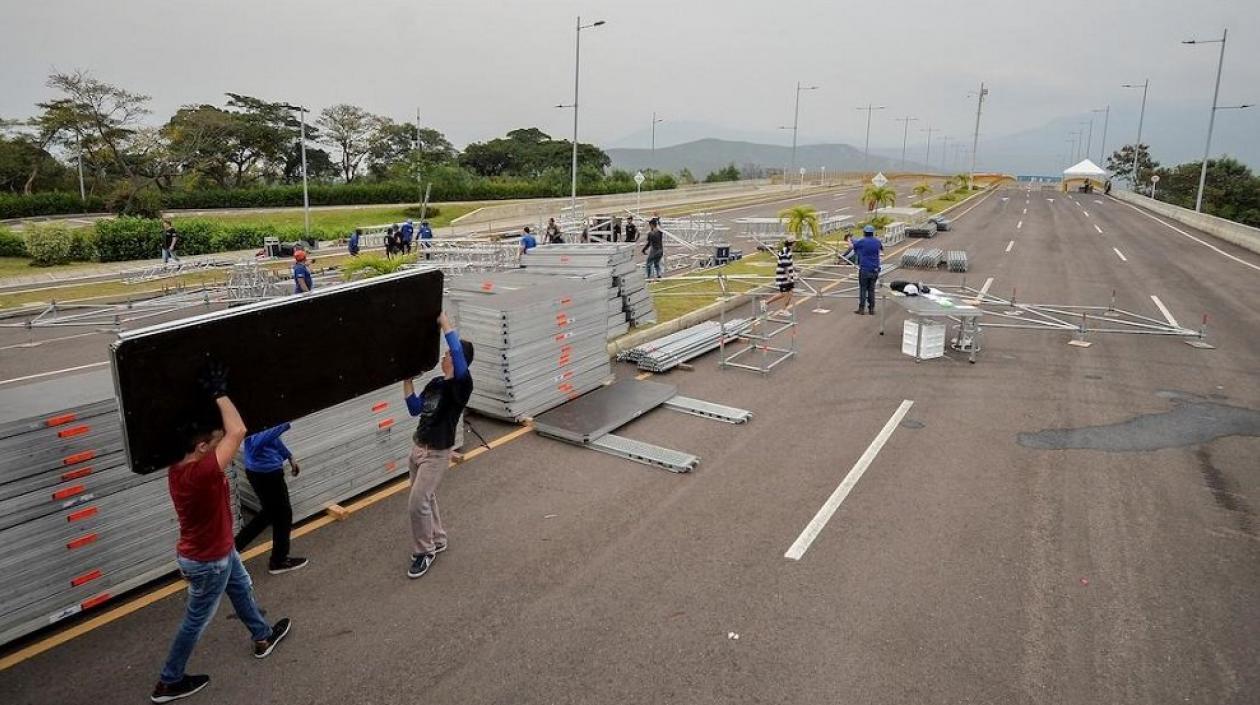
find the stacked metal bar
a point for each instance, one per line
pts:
(666, 353)
(77, 526)
(925, 258)
(957, 260)
(540, 340)
(346, 450)
(615, 259)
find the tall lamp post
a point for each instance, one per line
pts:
(975, 139)
(905, 132)
(866, 152)
(577, 65)
(306, 197)
(927, 155)
(1207, 148)
(1102, 147)
(796, 117)
(944, 152)
(654, 123)
(1146, 84)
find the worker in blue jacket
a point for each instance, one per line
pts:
(426, 237)
(407, 231)
(439, 407)
(867, 250)
(265, 455)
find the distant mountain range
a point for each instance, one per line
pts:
(707, 155)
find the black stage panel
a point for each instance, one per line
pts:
(286, 358)
(604, 410)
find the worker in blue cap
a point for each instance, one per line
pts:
(867, 250)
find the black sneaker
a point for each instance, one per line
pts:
(289, 564)
(439, 547)
(279, 630)
(166, 692)
(859, 312)
(420, 565)
(870, 312)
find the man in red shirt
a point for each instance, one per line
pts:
(206, 551)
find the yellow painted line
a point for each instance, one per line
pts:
(177, 585)
(643, 375)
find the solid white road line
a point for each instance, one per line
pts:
(1164, 310)
(37, 343)
(1019, 225)
(1085, 212)
(816, 525)
(1009, 245)
(54, 372)
(1201, 242)
(1120, 255)
(989, 282)
(1025, 212)
(1098, 229)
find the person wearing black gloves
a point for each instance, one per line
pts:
(206, 553)
(439, 407)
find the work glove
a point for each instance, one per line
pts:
(214, 380)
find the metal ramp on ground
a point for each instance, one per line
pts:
(589, 421)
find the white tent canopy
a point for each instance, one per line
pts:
(1084, 170)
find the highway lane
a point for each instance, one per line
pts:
(963, 567)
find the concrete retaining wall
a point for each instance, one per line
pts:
(1227, 230)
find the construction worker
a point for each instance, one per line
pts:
(206, 551)
(265, 456)
(439, 407)
(302, 282)
(867, 250)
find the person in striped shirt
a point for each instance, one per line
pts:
(784, 274)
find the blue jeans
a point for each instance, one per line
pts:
(654, 263)
(168, 255)
(206, 584)
(866, 289)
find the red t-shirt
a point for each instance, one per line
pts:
(199, 491)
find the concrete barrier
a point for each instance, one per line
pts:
(1227, 230)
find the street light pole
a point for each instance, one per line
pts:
(652, 160)
(1102, 148)
(866, 152)
(975, 140)
(1146, 84)
(905, 133)
(944, 152)
(796, 116)
(927, 156)
(1207, 148)
(577, 67)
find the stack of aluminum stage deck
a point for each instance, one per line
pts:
(346, 450)
(617, 259)
(666, 353)
(77, 526)
(540, 340)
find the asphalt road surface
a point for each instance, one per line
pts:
(977, 560)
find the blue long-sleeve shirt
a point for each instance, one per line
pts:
(415, 403)
(443, 400)
(265, 452)
(867, 250)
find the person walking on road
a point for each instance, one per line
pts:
(170, 239)
(206, 552)
(426, 238)
(352, 246)
(784, 274)
(439, 407)
(302, 282)
(406, 232)
(867, 250)
(632, 230)
(654, 248)
(265, 456)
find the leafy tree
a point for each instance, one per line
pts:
(530, 153)
(727, 173)
(922, 189)
(801, 221)
(686, 177)
(394, 143)
(875, 197)
(1231, 190)
(347, 128)
(963, 181)
(1120, 163)
(104, 115)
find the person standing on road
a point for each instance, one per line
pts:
(426, 237)
(265, 456)
(784, 273)
(353, 245)
(632, 230)
(439, 407)
(654, 248)
(206, 552)
(867, 250)
(302, 282)
(170, 239)
(406, 232)
(616, 229)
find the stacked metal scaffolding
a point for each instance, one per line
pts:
(77, 526)
(923, 257)
(664, 354)
(616, 260)
(957, 260)
(540, 340)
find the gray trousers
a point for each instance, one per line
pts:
(426, 468)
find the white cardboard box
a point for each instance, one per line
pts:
(933, 344)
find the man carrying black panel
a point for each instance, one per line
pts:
(439, 407)
(206, 553)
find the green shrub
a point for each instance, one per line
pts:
(142, 202)
(11, 244)
(47, 203)
(429, 213)
(48, 243)
(128, 238)
(83, 245)
(367, 266)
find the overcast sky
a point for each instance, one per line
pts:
(477, 68)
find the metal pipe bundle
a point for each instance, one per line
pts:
(666, 353)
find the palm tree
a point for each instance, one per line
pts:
(964, 180)
(876, 196)
(948, 184)
(799, 219)
(922, 189)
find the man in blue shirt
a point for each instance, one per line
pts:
(353, 244)
(867, 251)
(426, 237)
(264, 456)
(527, 241)
(407, 231)
(439, 407)
(302, 282)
